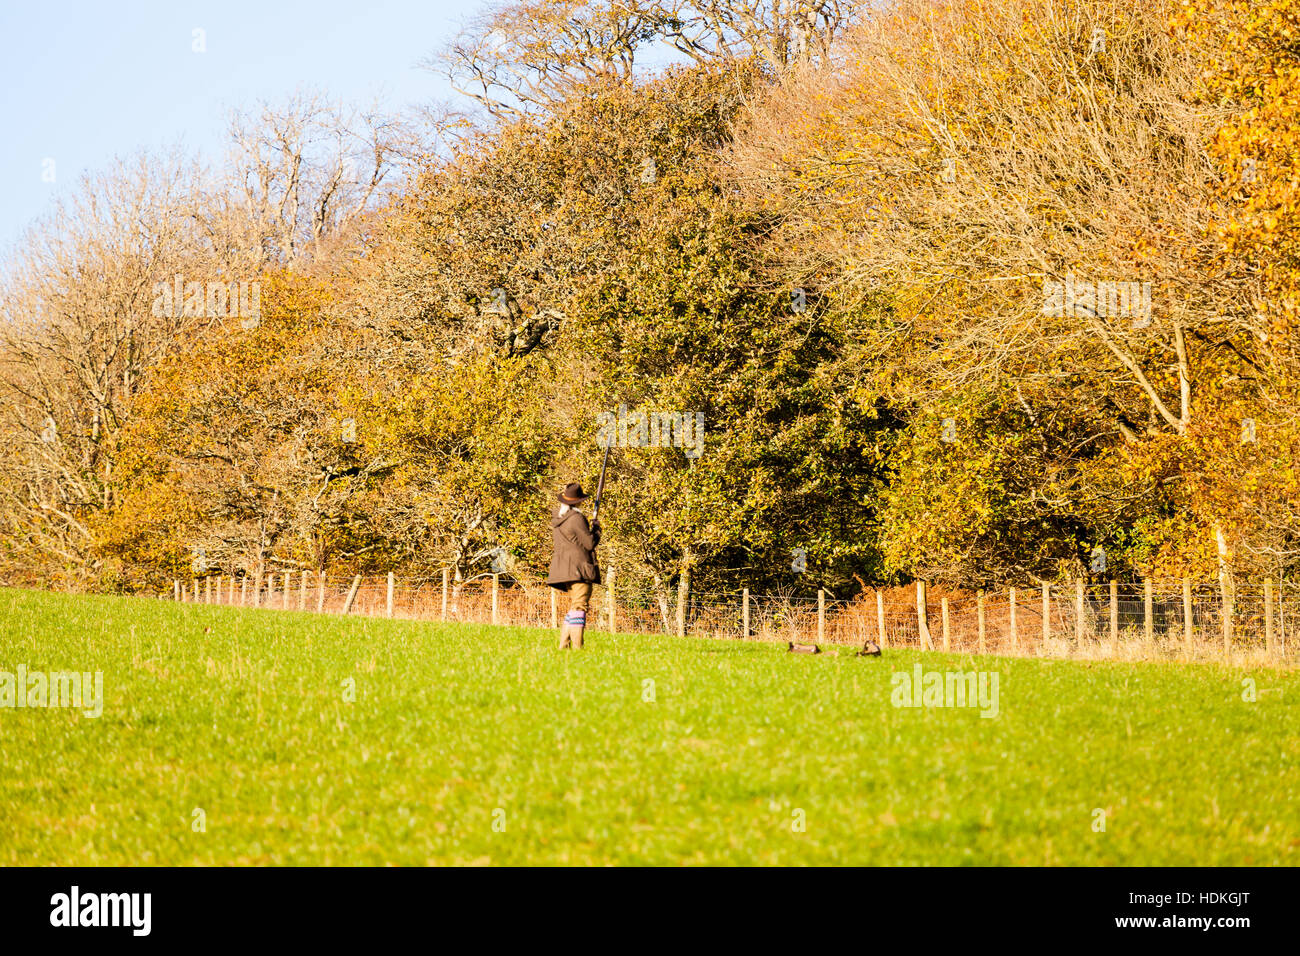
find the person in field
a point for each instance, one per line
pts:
(574, 570)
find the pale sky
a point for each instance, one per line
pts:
(85, 81)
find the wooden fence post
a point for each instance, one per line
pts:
(243, 591)
(232, 591)
(744, 614)
(257, 589)
(352, 594)
(612, 612)
(1015, 637)
(176, 589)
(1047, 612)
(1078, 611)
(288, 589)
(1148, 610)
(979, 606)
(943, 603)
(320, 591)
(444, 594)
(1227, 598)
(1282, 618)
(1268, 616)
(1187, 614)
(880, 619)
(923, 617)
(183, 594)
(821, 615)
(683, 595)
(302, 591)
(495, 585)
(1114, 618)
(217, 590)
(389, 609)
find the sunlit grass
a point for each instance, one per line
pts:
(454, 728)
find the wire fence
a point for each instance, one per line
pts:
(1128, 620)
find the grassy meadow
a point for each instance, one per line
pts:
(235, 736)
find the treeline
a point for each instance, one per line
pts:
(961, 291)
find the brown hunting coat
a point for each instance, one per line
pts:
(574, 559)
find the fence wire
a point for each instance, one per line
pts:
(1068, 621)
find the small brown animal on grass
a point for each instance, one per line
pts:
(869, 649)
(804, 648)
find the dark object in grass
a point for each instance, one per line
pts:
(869, 649)
(804, 648)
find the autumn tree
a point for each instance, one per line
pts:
(967, 165)
(529, 55)
(598, 247)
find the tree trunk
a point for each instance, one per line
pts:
(661, 597)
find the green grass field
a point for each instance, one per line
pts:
(457, 728)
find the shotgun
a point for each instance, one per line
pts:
(600, 486)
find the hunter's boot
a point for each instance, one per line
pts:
(574, 624)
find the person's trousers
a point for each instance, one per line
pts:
(575, 618)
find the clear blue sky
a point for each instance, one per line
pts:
(82, 82)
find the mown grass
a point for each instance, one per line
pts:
(454, 727)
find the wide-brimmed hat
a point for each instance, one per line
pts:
(572, 494)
